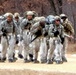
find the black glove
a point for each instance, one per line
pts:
(17, 41)
(38, 33)
(28, 25)
(4, 34)
(46, 33)
(4, 31)
(56, 33)
(62, 40)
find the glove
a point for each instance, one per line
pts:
(17, 41)
(4, 34)
(46, 33)
(4, 31)
(56, 33)
(28, 25)
(62, 40)
(38, 33)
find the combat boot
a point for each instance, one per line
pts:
(58, 62)
(64, 59)
(49, 62)
(20, 56)
(3, 59)
(11, 60)
(26, 60)
(35, 61)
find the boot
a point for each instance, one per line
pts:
(49, 62)
(64, 59)
(20, 56)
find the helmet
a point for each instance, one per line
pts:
(57, 18)
(16, 15)
(9, 15)
(29, 13)
(63, 15)
(6, 14)
(35, 13)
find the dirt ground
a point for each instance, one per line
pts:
(21, 68)
(29, 72)
(71, 48)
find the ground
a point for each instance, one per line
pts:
(21, 68)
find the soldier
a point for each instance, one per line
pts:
(69, 31)
(25, 26)
(38, 30)
(55, 33)
(8, 38)
(17, 21)
(44, 44)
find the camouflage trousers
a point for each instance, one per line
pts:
(20, 44)
(26, 42)
(8, 45)
(43, 49)
(36, 45)
(51, 49)
(55, 49)
(58, 50)
(65, 45)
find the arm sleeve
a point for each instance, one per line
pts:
(22, 26)
(70, 27)
(1, 26)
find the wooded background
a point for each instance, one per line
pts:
(43, 7)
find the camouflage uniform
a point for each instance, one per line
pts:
(44, 44)
(40, 42)
(8, 41)
(55, 45)
(68, 30)
(36, 42)
(30, 22)
(18, 37)
(26, 40)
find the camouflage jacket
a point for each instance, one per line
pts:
(9, 27)
(54, 28)
(68, 27)
(17, 26)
